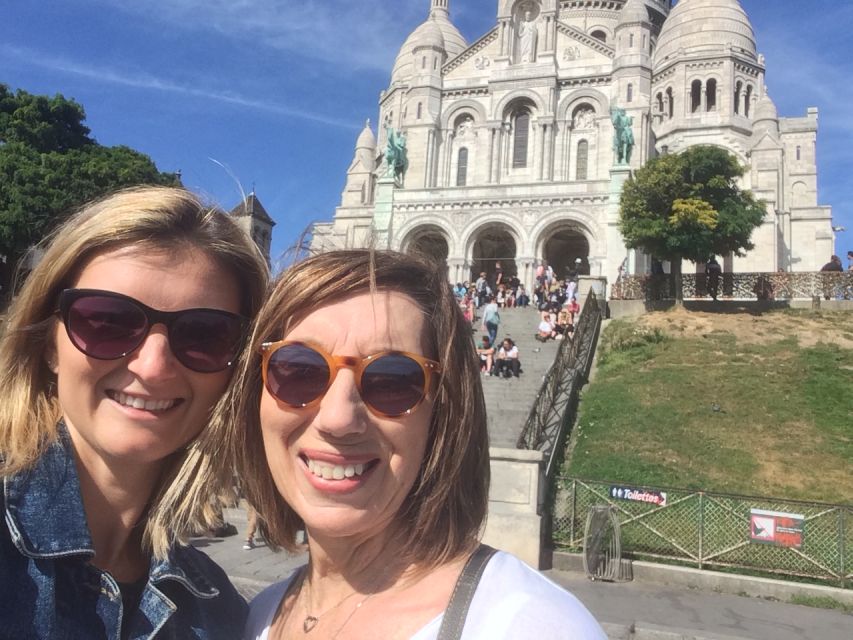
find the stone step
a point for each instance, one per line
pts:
(508, 401)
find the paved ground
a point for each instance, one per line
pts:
(631, 610)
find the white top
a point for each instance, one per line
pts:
(512, 601)
(503, 354)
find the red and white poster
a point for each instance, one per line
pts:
(776, 528)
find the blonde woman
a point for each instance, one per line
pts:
(112, 360)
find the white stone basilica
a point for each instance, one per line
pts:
(510, 140)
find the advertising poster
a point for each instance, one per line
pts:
(776, 528)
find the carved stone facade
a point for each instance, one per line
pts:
(510, 141)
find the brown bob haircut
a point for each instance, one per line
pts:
(442, 516)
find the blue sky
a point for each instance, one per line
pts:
(275, 92)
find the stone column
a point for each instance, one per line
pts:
(448, 161)
(430, 157)
(383, 211)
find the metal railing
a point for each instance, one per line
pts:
(553, 411)
(829, 285)
(712, 530)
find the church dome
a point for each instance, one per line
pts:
(703, 27)
(437, 32)
(366, 140)
(634, 11)
(765, 110)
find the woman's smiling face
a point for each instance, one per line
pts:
(139, 409)
(309, 449)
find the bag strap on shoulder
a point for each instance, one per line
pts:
(460, 601)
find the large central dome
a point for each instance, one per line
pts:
(705, 27)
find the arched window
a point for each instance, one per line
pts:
(434, 64)
(521, 136)
(670, 103)
(799, 152)
(582, 170)
(659, 103)
(598, 34)
(420, 110)
(631, 40)
(695, 96)
(630, 96)
(738, 89)
(423, 62)
(711, 95)
(462, 168)
(746, 103)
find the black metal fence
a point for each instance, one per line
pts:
(553, 412)
(712, 530)
(739, 286)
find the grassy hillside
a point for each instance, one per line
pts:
(758, 405)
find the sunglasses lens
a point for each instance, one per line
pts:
(105, 328)
(204, 340)
(393, 384)
(296, 374)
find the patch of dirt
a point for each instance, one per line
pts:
(808, 329)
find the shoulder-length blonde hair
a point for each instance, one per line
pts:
(445, 509)
(153, 218)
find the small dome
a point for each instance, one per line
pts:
(366, 140)
(439, 32)
(765, 109)
(634, 11)
(429, 34)
(705, 26)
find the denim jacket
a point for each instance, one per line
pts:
(50, 590)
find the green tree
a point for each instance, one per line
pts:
(49, 165)
(688, 206)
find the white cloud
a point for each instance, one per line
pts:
(141, 80)
(350, 33)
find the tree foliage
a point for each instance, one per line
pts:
(49, 165)
(689, 206)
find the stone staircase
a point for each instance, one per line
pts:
(508, 402)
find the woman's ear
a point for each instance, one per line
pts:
(50, 356)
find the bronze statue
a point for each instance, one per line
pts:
(623, 135)
(396, 154)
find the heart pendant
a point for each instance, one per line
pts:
(309, 623)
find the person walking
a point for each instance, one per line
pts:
(491, 319)
(712, 273)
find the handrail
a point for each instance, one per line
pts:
(554, 408)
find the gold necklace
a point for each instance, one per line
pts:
(310, 621)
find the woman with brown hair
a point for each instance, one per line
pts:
(364, 423)
(112, 361)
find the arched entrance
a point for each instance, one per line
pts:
(430, 243)
(563, 248)
(493, 245)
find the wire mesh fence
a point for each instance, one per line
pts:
(710, 530)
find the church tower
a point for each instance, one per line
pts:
(252, 218)
(632, 72)
(361, 175)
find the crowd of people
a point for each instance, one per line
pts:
(554, 299)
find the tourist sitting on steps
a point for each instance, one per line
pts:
(545, 330)
(507, 363)
(486, 353)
